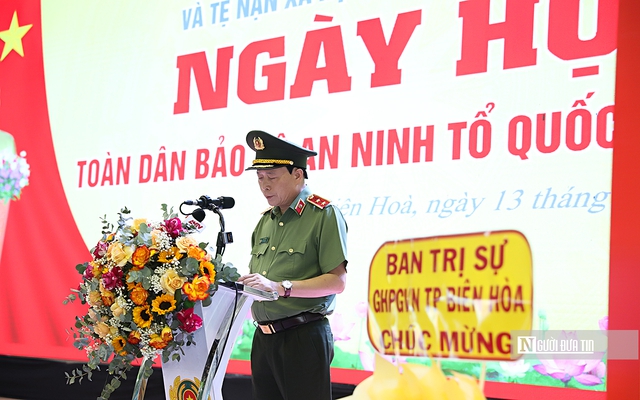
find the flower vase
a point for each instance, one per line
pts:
(4, 215)
(143, 376)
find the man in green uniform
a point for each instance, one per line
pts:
(298, 250)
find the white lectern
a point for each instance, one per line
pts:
(204, 365)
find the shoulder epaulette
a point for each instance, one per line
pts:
(318, 201)
(267, 210)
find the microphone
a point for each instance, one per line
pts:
(198, 214)
(209, 203)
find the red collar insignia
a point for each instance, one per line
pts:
(300, 206)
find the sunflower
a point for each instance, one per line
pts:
(166, 256)
(118, 345)
(207, 268)
(142, 317)
(163, 304)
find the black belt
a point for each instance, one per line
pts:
(270, 327)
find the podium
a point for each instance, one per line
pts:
(203, 365)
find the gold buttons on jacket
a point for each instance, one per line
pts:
(290, 250)
(281, 223)
(273, 248)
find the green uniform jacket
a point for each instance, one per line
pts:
(308, 240)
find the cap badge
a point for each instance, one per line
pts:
(258, 144)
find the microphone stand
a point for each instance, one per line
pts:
(215, 355)
(223, 237)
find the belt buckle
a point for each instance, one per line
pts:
(267, 329)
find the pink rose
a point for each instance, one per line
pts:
(113, 278)
(88, 273)
(189, 321)
(100, 250)
(173, 227)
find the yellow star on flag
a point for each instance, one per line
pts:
(12, 37)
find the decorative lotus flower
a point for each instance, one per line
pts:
(603, 323)
(341, 328)
(588, 372)
(514, 369)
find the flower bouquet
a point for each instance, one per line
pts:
(14, 176)
(141, 287)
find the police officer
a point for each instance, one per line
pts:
(299, 249)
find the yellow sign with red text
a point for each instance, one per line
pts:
(451, 296)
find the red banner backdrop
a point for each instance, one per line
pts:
(44, 245)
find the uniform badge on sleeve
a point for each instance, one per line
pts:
(318, 201)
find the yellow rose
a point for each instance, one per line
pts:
(92, 315)
(155, 237)
(95, 298)
(116, 310)
(119, 254)
(102, 329)
(135, 225)
(184, 243)
(171, 282)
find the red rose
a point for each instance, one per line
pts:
(189, 321)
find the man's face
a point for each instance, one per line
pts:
(279, 186)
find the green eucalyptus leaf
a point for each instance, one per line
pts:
(191, 266)
(81, 268)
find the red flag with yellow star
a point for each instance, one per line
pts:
(42, 243)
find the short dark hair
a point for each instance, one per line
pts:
(291, 167)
